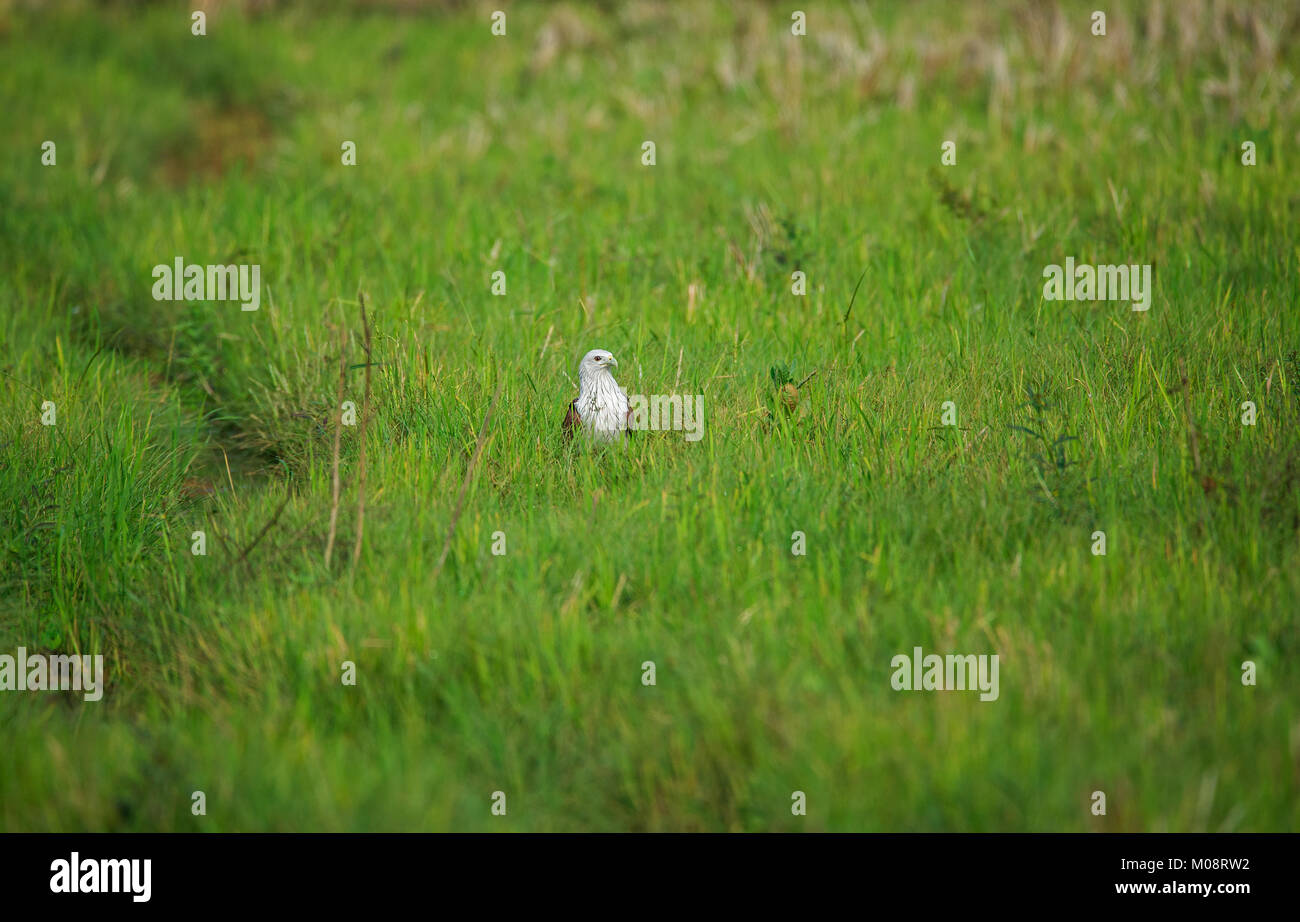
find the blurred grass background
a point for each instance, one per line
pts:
(521, 673)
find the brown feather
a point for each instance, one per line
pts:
(572, 422)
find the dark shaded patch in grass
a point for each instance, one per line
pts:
(959, 203)
(1046, 446)
(221, 139)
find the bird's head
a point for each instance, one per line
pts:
(595, 362)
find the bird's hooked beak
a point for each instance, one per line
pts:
(613, 361)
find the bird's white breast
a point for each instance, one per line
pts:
(602, 405)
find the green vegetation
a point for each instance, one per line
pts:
(522, 673)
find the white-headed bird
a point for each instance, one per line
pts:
(601, 410)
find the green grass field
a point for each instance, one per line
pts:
(523, 672)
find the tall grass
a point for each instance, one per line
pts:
(523, 672)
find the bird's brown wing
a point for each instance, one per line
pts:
(572, 422)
